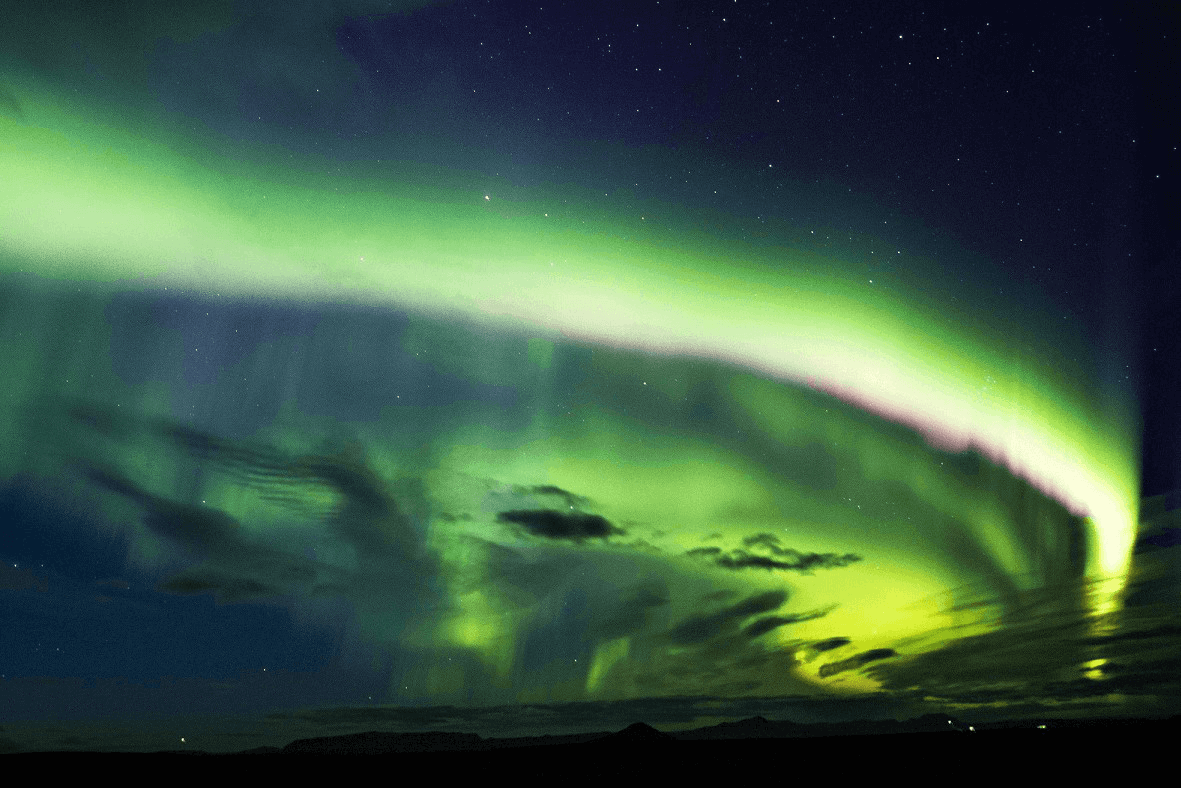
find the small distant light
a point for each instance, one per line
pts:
(486, 197)
(1041, 727)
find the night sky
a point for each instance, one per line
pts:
(538, 368)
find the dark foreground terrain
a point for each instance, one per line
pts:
(931, 747)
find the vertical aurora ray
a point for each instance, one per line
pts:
(88, 202)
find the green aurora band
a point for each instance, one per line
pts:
(547, 272)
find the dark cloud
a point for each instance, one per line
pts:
(552, 524)
(1164, 538)
(792, 560)
(351, 485)
(202, 528)
(856, 661)
(698, 629)
(101, 420)
(514, 570)
(765, 625)
(776, 556)
(830, 644)
(645, 546)
(972, 476)
(337, 529)
(568, 498)
(1161, 633)
(228, 587)
(802, 562)
(633, 612)
(769, 541)
(1052, 657)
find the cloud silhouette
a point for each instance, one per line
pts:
(778, 558)
(335, 527)
(796, 561)
(697, 629)
(633, 612)
(856, 661)
(1164, 538)
(1057, 654)
(765, 625)
(829, 644)
(551, 524)
(571, 500)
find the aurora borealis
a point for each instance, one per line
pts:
(353, 430)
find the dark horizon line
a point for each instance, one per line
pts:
(751, 729)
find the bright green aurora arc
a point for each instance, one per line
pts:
(754, 424)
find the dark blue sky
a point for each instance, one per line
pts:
(1038, 138)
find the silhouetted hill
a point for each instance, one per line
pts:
(638, 733)
(761, 728)
(922, 731)
(866, 750)
(377, 743)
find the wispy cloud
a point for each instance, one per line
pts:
(697, 629)
(856, 661)
(551, 524)
(774, 556)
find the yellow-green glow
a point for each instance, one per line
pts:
(88, 201)
(480, 626)
(606, 656)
